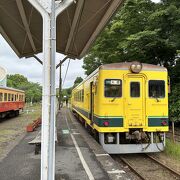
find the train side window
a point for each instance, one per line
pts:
(156, 89)
(5, 96)
(12, 97)
(83, 95)
(80, 95)
(1, 97)
(15, 97)
(113, 88)
(9, 97)
(135, 89)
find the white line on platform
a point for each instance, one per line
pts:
(75, 133)
(102, 155)
(117, 171)
(86, 167)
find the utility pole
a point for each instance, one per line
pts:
(60, 80)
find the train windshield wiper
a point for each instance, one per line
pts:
(113, 99)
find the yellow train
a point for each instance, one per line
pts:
(126, 104)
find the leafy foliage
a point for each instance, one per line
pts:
(32, 90)
(67, 92)
(77, 81)
(174, 101)
(141, 30)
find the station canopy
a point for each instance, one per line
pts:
(77, 27)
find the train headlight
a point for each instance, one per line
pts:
(136, 67)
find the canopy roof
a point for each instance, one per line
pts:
(77, 27)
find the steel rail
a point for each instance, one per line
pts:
(117, 158)
(163, 165)
(129, 165)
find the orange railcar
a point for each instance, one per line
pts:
(11, 101)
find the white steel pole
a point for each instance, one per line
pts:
(49, 96)
(46, 100)
(49, 13)
(51, 170)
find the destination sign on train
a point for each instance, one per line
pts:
(115, 82)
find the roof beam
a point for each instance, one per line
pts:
(25, 23)
(6, 37)
(74, 23)
(62, 5)
(112, 9)
(38, 59)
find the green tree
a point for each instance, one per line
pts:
(77, 81)
(33, 91)
(17, 81)
(141, 30)
(174, 103)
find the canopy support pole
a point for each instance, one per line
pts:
(49, 11)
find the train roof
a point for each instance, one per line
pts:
(123, 66)
(11, 89)
(126, 65)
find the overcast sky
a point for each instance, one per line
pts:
(32, 69)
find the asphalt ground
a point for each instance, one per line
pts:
(78, 156)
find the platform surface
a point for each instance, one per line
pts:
(78, 156)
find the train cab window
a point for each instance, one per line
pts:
(135, 89)
(5, 96)
(156, 89)
(1, 97)
(113, 88)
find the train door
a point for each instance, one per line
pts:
(135, 102)
(91, 102)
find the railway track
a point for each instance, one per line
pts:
(147, 167)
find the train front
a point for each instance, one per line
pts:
(132, 112)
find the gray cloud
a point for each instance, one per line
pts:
(32, 69)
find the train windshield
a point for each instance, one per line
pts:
(156, 89)
(135, 89)
(113, 88)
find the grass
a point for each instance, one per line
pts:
(33, 112)
(12, 128)
(172, 149)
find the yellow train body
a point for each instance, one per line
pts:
(113, 99)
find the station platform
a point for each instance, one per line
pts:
(78, 156)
